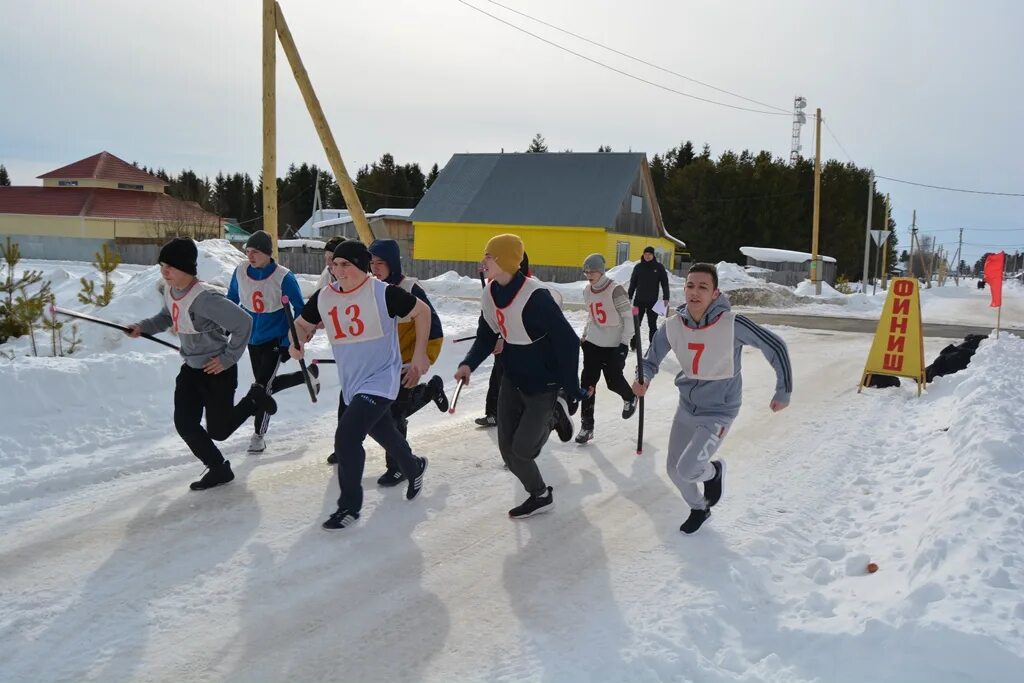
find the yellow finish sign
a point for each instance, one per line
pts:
(898, 348)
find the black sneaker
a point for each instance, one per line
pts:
(332, 459)
(261, 399)
(393, 477)
(436, 385)
(694, 521)
(340, 520)
(416, 484)
(629, 407)
(214, 476)
(562, 422)
(713, 487)
(585, 435)
(486, 421)
(534, 505)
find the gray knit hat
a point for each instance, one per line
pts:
(594, 262)
(260, 241)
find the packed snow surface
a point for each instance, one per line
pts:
(112, 570)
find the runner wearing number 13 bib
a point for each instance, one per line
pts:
(360, 315)
(707, 339)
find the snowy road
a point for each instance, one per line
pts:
(134, 578)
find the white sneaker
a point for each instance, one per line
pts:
(257, 444)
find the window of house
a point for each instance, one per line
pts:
(621, 252)
(67, 183)
(636, 204)
(128, 186)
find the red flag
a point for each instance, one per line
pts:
(994, 276)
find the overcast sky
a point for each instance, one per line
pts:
(928, 90)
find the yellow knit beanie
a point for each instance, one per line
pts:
(507, 252)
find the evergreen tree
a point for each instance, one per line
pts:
(18, 308)
(106, 262)
(604, 148)
(5, 180)
(538, 144)
(432, 176)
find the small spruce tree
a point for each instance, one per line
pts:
(106, 262)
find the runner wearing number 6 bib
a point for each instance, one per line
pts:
(257, 286)
(707, 339)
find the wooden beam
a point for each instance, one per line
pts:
(348, 190)
(270, 122)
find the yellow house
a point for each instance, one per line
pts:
(98, 200)
(563, 205)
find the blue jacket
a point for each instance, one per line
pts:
(387, 251)
(267, 327)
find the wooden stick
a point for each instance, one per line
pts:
(107, 323)
(455, 397)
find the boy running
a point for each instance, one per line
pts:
(707, 338)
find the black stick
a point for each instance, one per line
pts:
(107, 323)
(640, 378)
(295, 336)
(462, 339)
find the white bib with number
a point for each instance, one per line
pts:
(508, 321)
(351, 317)
(601, 306)
(704, 353)
(260, 296)
(407, 284)
(179, 307)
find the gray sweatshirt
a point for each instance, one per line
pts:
(611, 337)
(722, 397)
(224, 329)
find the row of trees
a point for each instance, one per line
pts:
(383, 183)
(715, 205)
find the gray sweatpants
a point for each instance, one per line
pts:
(524, 425)
(691, 444)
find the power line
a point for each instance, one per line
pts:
(617, 70)
(637, 59)
(952, 189)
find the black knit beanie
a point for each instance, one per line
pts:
(355, 252)
(180, 253)
(260, 241)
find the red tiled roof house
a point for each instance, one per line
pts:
(100, 199)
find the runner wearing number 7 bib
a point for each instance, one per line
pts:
(707, 339)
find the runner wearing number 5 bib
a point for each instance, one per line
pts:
(707, 339)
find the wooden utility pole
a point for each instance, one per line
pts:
(867, 233)
(885, 245)
(269, 123)
(959, 248)
(815, 266)
(348, 190)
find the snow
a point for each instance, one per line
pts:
(770, 255)
(111, 562)
(312, 244)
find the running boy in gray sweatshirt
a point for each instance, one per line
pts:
(213, 333)
(707, 338)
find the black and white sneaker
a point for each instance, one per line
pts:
(585, 435)
(436, 385)
(534, 505)
(261, 399)
(340, 520)
(694, 521)
(332, 459)
(629, 407)
(214, 476)
(393, 477)
(713, 487)
(486, 421)
(257, 444)
(562, 422)
(417, 483)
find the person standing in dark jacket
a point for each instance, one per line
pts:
(648, 275)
